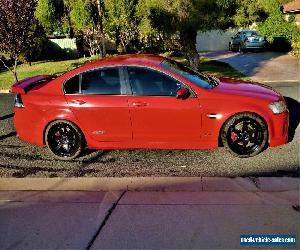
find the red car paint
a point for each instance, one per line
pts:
(128, 121)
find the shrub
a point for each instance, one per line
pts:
(296, 43)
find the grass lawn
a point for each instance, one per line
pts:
(58, 67)
(218, 68)
(39, 68)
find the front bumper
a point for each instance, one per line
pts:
(279, 129)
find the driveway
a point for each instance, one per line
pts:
(263, 67)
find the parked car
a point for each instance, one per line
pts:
(150, 102)
(247, 40)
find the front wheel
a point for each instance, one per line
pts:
(245, 135)
(64, 140)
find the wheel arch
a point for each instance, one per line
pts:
(220, 143)
(62, 120)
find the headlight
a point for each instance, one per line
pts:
(278, 107)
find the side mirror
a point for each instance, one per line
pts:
(182, 93)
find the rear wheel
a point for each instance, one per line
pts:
(245, 135)
(240, 49)
(64, 140)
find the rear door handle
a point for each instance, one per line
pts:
(139, 104)
(78, 102)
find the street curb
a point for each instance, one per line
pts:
(282, 81)
(4, 91)
(159, 184)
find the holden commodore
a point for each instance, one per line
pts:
(150, 102)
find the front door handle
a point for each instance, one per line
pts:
(78, 102)
(139, 104)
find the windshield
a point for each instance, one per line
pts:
(197, 78)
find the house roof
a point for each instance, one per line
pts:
(292, 6)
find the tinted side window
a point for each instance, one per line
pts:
(102, 81)
(146, 82)
(72, 85)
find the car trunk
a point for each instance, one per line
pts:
(35, 82)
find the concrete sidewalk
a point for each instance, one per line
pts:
(156, 213)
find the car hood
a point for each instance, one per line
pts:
(236, 87)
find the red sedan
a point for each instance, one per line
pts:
(147, 101)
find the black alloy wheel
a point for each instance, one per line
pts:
(245, 135)
(64, 140)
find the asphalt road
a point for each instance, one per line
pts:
(18, 159)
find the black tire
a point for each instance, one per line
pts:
(64, 140)
(240, 49)
(245, 135)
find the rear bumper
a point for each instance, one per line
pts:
(254, 45)
(28, 128)
(278, 130)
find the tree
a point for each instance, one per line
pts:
(87, 18)
(45, 13)
(276, 25)
(153, 36)
(248, 12)
(186, 17)
(268, 16)
(16, 24)
(54, 16)
(121, 23)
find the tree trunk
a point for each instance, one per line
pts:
(188, 42)
(100, 6)
(117, 38)
(103, 48)
(15, 69)
(7, 67)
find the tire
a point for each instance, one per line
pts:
(245, 135)
(64, 140)
(240, 49)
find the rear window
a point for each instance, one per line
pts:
(250, 33)
(102, 81)
(72, 85)
(99, 81)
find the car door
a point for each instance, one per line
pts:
(100, 104)
(156, 114)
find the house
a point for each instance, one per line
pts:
(293, 8)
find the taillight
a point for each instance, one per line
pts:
(18, 101)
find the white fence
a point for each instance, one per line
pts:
(214, 40)
(67, 45)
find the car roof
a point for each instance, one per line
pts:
(128, 59)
